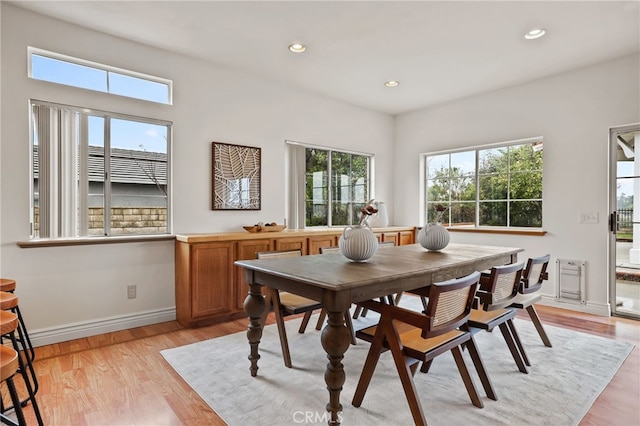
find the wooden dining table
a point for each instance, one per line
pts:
(338, 282)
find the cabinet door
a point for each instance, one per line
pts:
(388, 237)
(316, 243)
(406, 238)
(292, 243)
(212, 273)
(246, 250)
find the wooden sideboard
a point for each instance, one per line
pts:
(210, 288)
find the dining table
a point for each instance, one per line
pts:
(338, 282)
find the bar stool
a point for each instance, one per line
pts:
(8, 368)
(9, 285)
(9, 302)
(8, 325)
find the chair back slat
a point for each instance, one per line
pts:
(534, 274)
(502, 285)
(506, 286)
(450, 304)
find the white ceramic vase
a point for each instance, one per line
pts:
(433, 236)
(380, 219)
(358, 243)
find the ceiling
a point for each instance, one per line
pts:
(438, 50)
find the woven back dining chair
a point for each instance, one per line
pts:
(497, 292)
(414, 337)
(535, 273)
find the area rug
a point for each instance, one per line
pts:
(562, 384)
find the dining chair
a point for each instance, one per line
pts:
(414, 337)
(498, 289)
(284, 304)
(529, 292)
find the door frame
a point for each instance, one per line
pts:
(613, 176)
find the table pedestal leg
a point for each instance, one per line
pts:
(336, 339)
(254, 306)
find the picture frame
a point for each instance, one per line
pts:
(236, 177)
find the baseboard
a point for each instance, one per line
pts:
(589, 308)
(48, 336)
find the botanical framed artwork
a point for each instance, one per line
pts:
(236, 177)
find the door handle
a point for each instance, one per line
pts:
(613, 222)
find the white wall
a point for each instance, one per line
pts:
(67, 292)
(573, 112)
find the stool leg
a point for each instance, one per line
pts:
(27, 340)
(27, 382)
(16, 404)
(23, 339)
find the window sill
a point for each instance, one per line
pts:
(530, 232)
(80, 241)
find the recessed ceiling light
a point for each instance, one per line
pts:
(535, 33)
(391, 83)
(297, 47)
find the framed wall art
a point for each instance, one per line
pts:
(236, 177)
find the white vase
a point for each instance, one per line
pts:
(380, 219)
(358, 243)
(433, 236)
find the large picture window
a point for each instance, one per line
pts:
(97, 173)
(493, 186)
(336, 185)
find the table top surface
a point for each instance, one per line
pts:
(333, 271)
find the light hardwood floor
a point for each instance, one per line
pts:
(121, 378)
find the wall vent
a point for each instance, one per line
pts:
(571, 281)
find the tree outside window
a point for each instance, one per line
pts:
(498, 186)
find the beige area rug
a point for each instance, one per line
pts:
(561, 386)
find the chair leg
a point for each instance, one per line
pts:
(321, 319)
(349, 324)
(406, 376)
(426, 366)
(506, 333)
(535, 319)
(516, 339)
(305, 321)
(397, 299)
(369, 367)
(357, 311)
(466, 378)
(482, 372)
(282, 331)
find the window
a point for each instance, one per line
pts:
(62, 69)
(97, 173)
(497, 186)
(336, 185)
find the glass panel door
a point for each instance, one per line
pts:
(625, 221)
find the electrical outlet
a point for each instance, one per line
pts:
(589, 218)
(131, 292)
